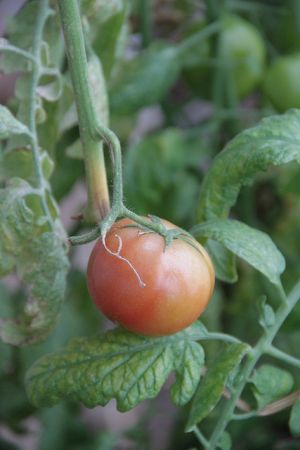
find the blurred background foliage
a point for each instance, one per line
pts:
(174, 100)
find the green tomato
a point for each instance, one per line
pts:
(243, 52)
(281, 84)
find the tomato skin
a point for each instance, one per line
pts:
(178, 280)
(281, 84)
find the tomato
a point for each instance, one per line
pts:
(281, 84)
(177, 281)
(242, 49)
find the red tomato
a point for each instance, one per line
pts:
(177, 281)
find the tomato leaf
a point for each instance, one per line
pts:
(225, 442)
(214, 382)
(155, 169)
(19, 163)
(9, 125)
(91, 8)
(20, 30)
(270, 384)
(120, 365)
(223, 261)
(145, 80)
(188, 365)
(109, 41)
(274, 141)
(294, 422)
(38, 254)
(252, 245)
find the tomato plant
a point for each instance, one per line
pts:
(281, 82)
(177, 279)
(89, 78)
(241, 53)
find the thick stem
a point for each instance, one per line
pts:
(98, 196)
(261, 348)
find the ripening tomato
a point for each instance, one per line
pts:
(281, 83)
(152, 290)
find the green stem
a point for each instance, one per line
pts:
(253, 356)
(43, 13)
(194, 40)
(146, 21)
(200, 437)
(221, 337)
(6, 47)
(282, 356)
(98, 196)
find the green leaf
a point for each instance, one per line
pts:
(109, 39)
(75, 150)
(225, 442)
(91, 8)
(20, 163)
(20, 33)
(119, 365)
(9, 125)
(212, 387)
(294, 422)
(98, 86)
(145, 80)
(155, 170)
(270, 384)
(267, 314)
(38, 254)
(274, 141)
(254, 246)
(188, 364)
(223, 261)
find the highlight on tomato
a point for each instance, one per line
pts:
(145, 286)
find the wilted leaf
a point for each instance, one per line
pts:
(29, 245)
(274, 141)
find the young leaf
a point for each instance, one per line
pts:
(212, 387)
(38, 254)
(294, 422)
(145, 80)
(270, 384)
(9, 126)
(274, 141)
(119, 365)
(254, 246)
